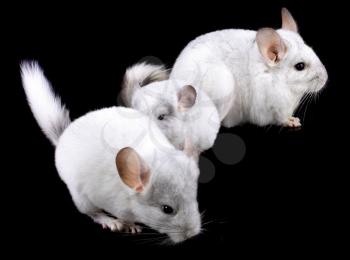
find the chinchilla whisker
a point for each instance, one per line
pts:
(160, 225)
(151, 240)
(136, 234)
(160, 236)
(203, 230)
(304, 112)
(149, 233)
(316, 96)
(280, 129)
(166, 242)
(202, 215)
(307, 105)
(157, 242)
(208, 222)
(302, 102)
(213, 222)
(169, 231)
(267, 128)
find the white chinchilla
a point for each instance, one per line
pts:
(257, 77)
(181, 111)
(116, 161)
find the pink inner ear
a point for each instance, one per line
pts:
(273, 54)
(145, 176)
(288, 22)
(132, 170)
(271, 45)
(186, 97)
(139, 188)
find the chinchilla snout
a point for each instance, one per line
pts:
(193, 226)
(189, 228)
(192, 231)
(185, 234)
(321, 78)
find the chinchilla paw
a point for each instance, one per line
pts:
(113, 224)
(132, 228)
(293, 122)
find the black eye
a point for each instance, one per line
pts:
(167, 209)
(300, 66)
(161, 117)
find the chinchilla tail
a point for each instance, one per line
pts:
(51, 115)
(140, 75)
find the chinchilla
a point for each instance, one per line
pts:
(181, 111)
(258, 77)
(119, 167)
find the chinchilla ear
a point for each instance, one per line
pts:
(190, 150)
(288, 22)
(271, 45)
(133, 171)
(186, 97)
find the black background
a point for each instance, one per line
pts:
(282, 197)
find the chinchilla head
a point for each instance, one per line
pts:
(181, 111)
(163, 195)
(292, 64)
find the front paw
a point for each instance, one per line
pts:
(120, 226)
(292, 122)
(132, 228)
(112, 224)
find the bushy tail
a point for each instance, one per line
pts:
(140, 75)
(51, 114)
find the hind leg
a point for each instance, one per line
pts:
(217, 81)
(206, 71)
(213, 77)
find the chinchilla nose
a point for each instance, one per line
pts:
(192, 231)
(323, 74)
(193, 224)
(321, 78)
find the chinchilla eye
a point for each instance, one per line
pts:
(167, 209)
(300, 66)
(161, 117)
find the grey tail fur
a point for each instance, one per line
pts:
(138, 76)
(51, 115)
